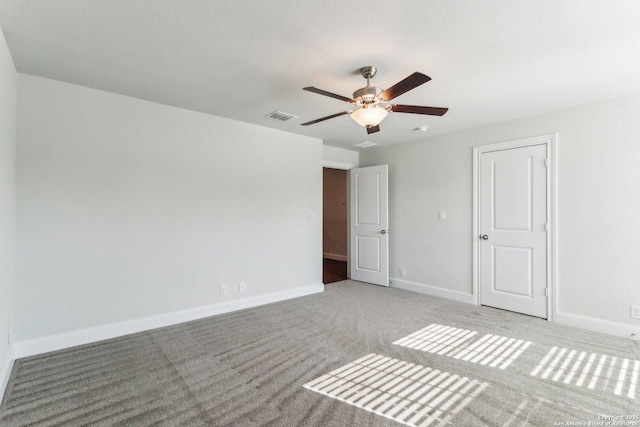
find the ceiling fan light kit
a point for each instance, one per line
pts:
(373, 102)
(369, 116)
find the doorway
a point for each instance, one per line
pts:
(334, 225)
(514, 226)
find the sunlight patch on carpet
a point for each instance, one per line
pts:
(591, 370)
(491, 350)
(531, 408)
(405, 392)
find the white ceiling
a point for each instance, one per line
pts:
(489, 60)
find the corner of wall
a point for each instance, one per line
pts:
(5, 373)
(8, 139)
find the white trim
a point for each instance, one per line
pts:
(551, 142)
(598, 325)
(338, 165)
(475, 231)
(431, 290)
(5, 373)
(114, 330)
(552, 226)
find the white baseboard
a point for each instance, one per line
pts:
(584, 322)
(5, 372)
(598, 325)
(431, 290)
(85, 336)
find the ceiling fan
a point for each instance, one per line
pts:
(373, 102)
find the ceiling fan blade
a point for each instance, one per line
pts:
(329, 94)
(411, 82)
(373, 129)
(325, 118)
(415, 109)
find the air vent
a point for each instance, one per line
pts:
(283, 117)
(366, 144)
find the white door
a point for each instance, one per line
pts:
(369, 225)
(513, 223)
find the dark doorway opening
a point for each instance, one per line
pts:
(334, 225)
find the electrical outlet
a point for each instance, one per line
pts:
(402, 271)
(242, 286)
(635, 311)
(224, 289)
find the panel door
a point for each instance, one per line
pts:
(513, 237)
(369, 225)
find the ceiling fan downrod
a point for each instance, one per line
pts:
(368, 72)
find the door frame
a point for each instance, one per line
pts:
(551, 143)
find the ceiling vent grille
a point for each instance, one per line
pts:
(283, 117)
(366, 144)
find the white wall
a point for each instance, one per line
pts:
(340, 158)
(8, 88)
(598, 208)
(128, 209)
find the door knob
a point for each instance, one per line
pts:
(484, 237)
(384, 231)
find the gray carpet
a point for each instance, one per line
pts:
(330, 360)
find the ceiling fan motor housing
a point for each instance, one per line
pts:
(367, 95)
